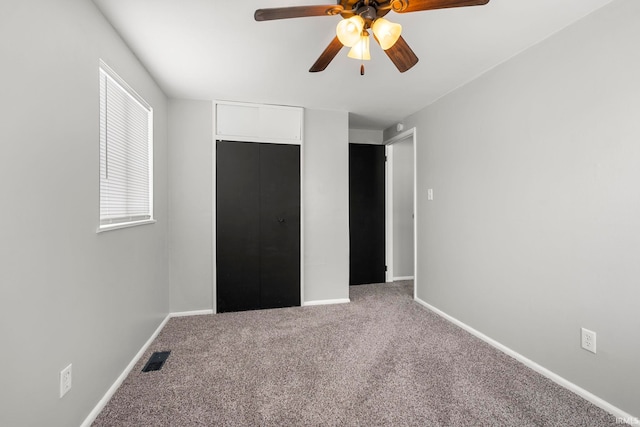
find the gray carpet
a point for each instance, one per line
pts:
(381, 360)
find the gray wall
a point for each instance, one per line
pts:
(534, 230)
(366, 136)
(326, 214)
(326, 205)
(190, 201)
(68, 295)
(402, 207)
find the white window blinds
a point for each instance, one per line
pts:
(126, 141)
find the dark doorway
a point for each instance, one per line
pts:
(366, 214)
(257, 226)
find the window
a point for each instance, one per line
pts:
(126, 156)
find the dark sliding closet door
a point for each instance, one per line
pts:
(238, 227)
(279, 225)
(257, 226)
(366, 214)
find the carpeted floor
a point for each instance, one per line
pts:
(380, 360)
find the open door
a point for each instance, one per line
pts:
(366, 214)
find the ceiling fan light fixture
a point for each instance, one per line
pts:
(349, 30)
(360, 50)
(386, 32)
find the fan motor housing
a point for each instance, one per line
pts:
(369, 10)
(368, 13)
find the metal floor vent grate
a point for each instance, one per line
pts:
(156, 361)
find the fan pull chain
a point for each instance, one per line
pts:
(362, 69)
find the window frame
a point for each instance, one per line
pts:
(106, 73)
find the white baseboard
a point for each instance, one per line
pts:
(109, 394)
(621, 416)
(191, 313)
(395, 279)
(327, 301)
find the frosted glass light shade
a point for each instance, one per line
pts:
(386, 32)
(349, 30)
(361, 49)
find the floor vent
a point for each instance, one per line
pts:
(156, 361)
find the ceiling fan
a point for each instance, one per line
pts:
(358, 17)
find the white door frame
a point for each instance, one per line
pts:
(410, 133)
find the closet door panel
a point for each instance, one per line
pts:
(279, 225)
(237, 226)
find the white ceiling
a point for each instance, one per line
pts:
(213, 49)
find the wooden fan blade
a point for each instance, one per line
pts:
(296, 12)
(401, 55)
(327, 56)
(404, 6)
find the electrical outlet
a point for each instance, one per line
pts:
(589, 340)
(65, 380)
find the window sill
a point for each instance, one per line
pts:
(118, 226)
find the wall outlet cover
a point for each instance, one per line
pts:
(65, 380)
(589, 340)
